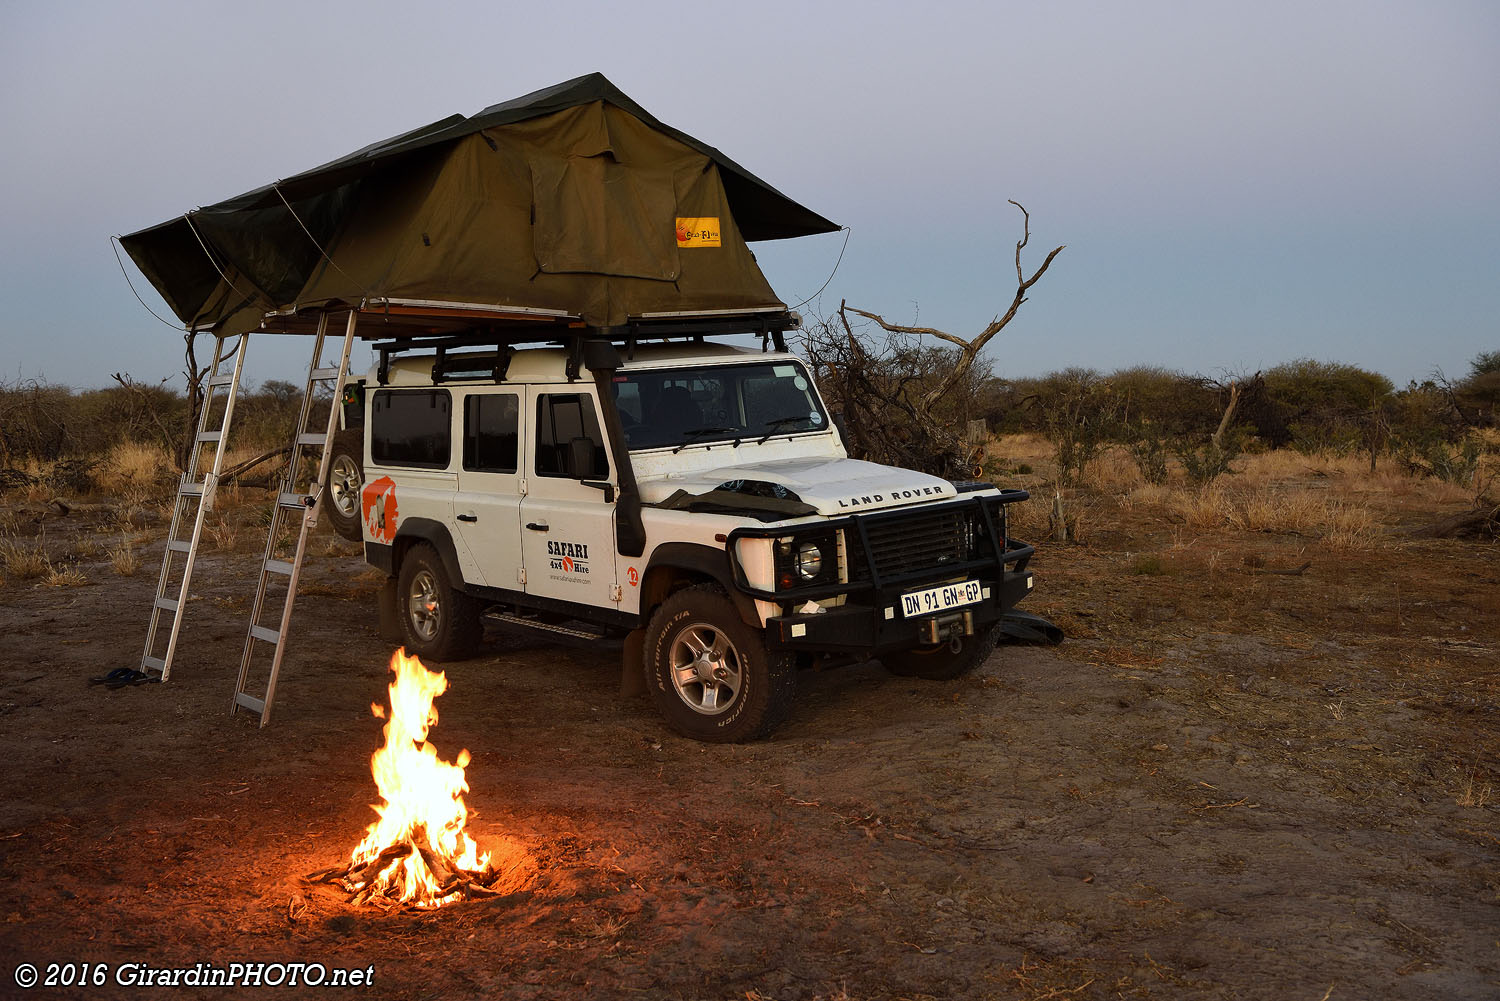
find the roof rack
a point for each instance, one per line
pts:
(417, 331)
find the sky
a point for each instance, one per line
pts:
(1237, 185)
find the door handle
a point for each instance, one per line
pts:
(538, 526)
(468, 517)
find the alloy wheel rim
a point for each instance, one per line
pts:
(423, 607)
(706, 670)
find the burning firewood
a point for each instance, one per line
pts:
(417, 853)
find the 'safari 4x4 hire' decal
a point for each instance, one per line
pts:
(378, 501)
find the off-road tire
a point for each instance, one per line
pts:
(342, 483)
(438, 622)
(766, 679)
(941, 662)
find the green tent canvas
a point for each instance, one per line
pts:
(569, 202)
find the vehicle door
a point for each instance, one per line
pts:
(410, 469)
(568, 511)
(487, 506)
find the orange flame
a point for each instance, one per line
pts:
(422, 795)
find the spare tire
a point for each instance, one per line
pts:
(341, 486)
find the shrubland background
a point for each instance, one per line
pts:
(1143, 426)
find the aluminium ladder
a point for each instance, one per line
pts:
(276, 565)
(195, 497)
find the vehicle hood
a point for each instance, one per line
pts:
(832, 486)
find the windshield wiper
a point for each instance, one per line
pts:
(688, 437)
(779, 422)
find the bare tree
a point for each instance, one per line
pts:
(148, 409)
(905, 400)
(969, 349)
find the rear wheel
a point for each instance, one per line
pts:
(341, 487)
(711, 675)
(438, 622)
(945, 661)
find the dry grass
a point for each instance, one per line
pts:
(223, 534)
(1283, 510)
(1331, 498)
(64, 576)
(1472, 792)
(1113, 469)
(21, 561)
(24, 562)
(134, 467)
(124, 559)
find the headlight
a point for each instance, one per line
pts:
(809, 561)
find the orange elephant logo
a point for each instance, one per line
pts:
(378, 500)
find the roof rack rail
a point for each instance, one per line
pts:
(771, 327)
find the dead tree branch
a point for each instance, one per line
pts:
(969, 348)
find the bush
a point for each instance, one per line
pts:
(1078, 411)
(1148, 448)
(1316, 401)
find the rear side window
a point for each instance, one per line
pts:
(411, 427)
(491, 432)
(568, 440)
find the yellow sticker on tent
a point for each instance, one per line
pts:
(698, 231)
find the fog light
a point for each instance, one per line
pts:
(809, 560)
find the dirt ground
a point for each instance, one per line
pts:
(1227, 783)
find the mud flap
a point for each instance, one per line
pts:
(633, 665)
(390, 624)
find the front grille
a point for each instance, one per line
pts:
(914, 542)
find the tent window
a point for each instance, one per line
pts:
(595, 215)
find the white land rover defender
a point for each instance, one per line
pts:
(689, 501)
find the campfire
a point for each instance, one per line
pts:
(417, 853)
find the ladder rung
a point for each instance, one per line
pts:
(249, 702)
(293, 500)
(154, 664)
(324, 373)
(279, 566)
(179, 546)
(265, 633)
(210, 435)
(191, 489)
(312, 438)
(220, 380)
(169, 604)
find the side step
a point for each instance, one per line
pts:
(581, 634)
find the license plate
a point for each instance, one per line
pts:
(940, 599)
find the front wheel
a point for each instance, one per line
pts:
(711, 675)
(438, 622)
(943, 662)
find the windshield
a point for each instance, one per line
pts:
(743, 402)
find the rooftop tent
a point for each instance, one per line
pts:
(572, 200)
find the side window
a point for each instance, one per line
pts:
(491, 432)
(569, 442)
(411, 427)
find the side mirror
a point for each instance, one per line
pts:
(605, 485)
